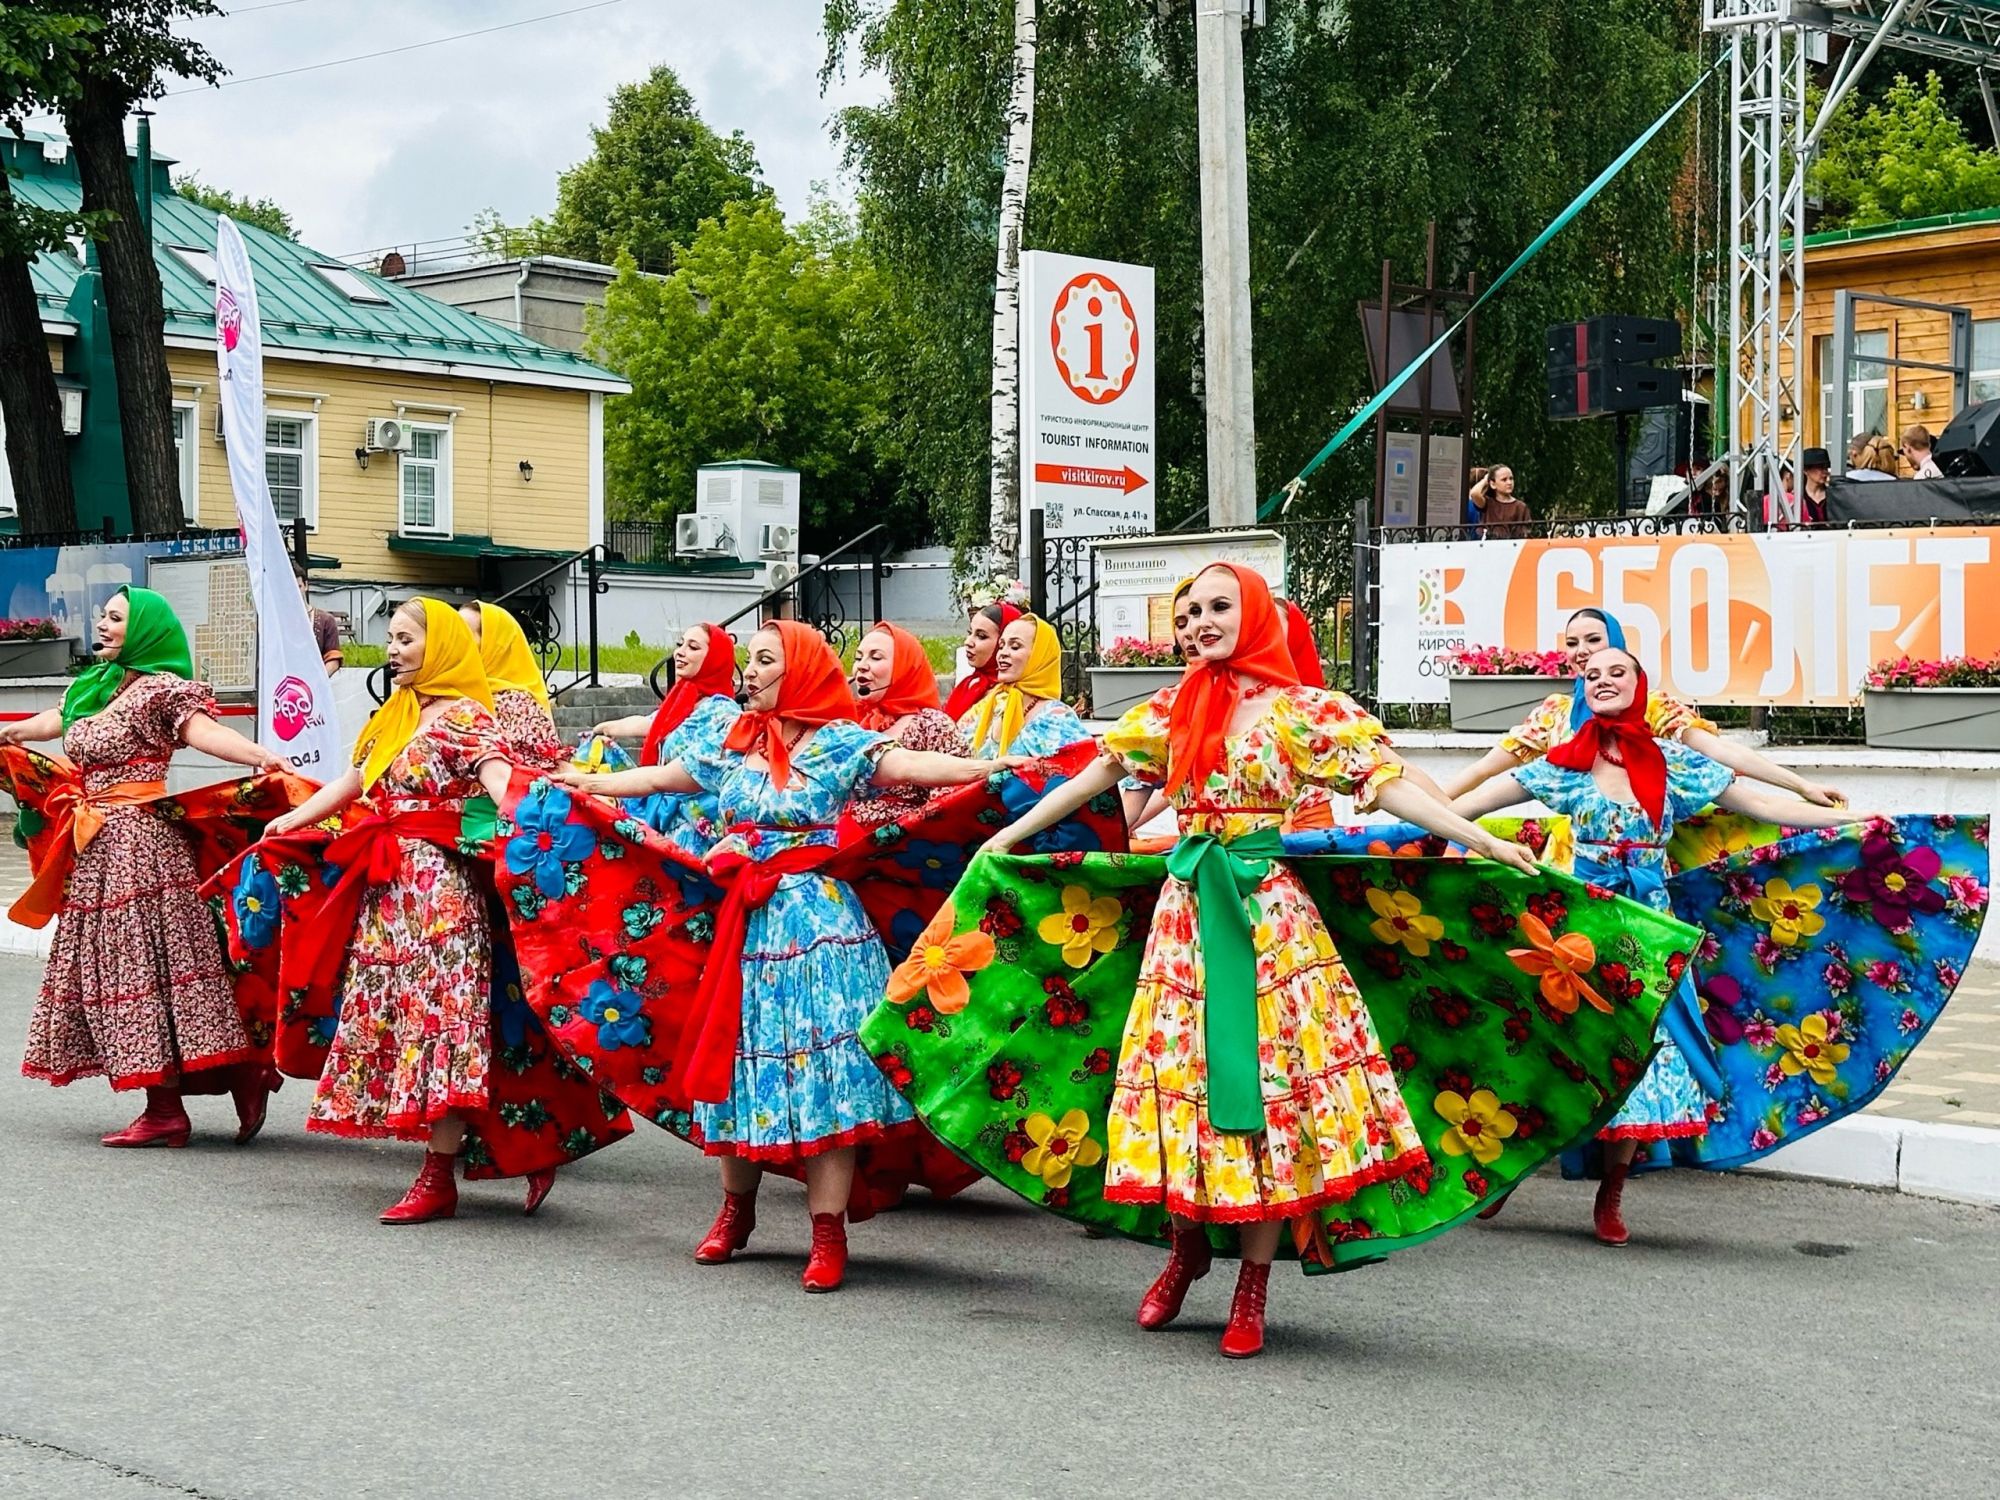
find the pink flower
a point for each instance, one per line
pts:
(1774, 1077)
(1909, 1021)
(1888, 974)
(1947, 973)
(1767, 953)
(1837, 978)
(1965, 892)
(1834, 1024)
(1709, 950)
(1761, 1139)
(1760, 1031)
(1810, 1112)
(1885, 1069)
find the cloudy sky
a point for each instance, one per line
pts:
(407, 148)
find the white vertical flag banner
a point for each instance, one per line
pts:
(294, 695)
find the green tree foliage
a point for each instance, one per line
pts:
(767, 342)
(655, 172)
(1906, 157)
(265, 213)
(1367, 120)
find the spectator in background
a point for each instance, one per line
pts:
(326, 629)
(1500, 512)
(1871, 457)
(1473, 481)
(1917, 445)
(1712, 499)
(1818, 464)
(1778, 514)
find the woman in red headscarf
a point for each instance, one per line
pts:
(693, 718)
(1305, 650)
(1251, 1090)
(772, 1065)
(982, 640)
(896, 687)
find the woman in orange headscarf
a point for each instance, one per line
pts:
(772, 1068)
(896, 687)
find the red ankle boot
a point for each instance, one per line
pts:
(251, 1089)
(539, 1185)
(826, 1266)
(1606, 1214)
(434, 1195)
(731, 1230)
(1492, 1210)
(1188, 1260)
(1245, 1334)
(163, 1122)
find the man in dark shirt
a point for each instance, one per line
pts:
(326, 629)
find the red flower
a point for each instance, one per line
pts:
(1490, 919)
(1002, 918)
(1068, 859)
(1550, 907)
(1476, 1183)
(1528, 1120)
(1451, 951)
(1449, 1010)
(1063, 1007)
(1350, 888)
(1016, 1144)
(1457, 1080)
(1676, 965)
(1099, 1061)
(1388, 962)
(1515, 1027)
(1003, 1079)
(1420, 1180)
(920, 1018)
(1600, 893)
(1056, 1198)
(1624, 1071)
(1402, 1059)
(1618, 979)
(895, 1069)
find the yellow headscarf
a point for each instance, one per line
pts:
(1042, 679)
(451, 670)
(509, 660)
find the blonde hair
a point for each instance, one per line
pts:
(1877, 453)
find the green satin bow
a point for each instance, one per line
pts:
(1223, 876)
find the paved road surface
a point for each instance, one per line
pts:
(233, 1324)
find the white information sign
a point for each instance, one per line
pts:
(1137, 576)
(1399, 479)
(1087, 432)
(1444, 494)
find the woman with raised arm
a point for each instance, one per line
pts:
(1560, 716)
(692, 718)
(136, 988)
(1623, 790)
(773, 1069)
(897, 690)
(1024, 713)
(982, 640)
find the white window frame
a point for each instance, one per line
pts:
(9, 506)
(1989, 377)
(1858, 389)
(308, 465)
(442, 465)
(187, 456)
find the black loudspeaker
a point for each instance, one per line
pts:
(1604, 365)
(1969, 446)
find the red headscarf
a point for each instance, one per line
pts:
(1624, 739)
(1209, 690)
(1305, 650)
(813, 690)
(714, 678)
(912, 682)
(977, 684)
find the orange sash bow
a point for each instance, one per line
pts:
(78, 817)
(1561, 962)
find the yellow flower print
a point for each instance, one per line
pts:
(1060, 1146)
(1478, 1125)
(1084, 927)
(1789, 912)
(1808, 1051)
(1399, 918)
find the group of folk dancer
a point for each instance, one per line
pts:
(849, 934)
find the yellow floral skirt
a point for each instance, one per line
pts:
(1335, 1121)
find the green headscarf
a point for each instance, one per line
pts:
(155, 641)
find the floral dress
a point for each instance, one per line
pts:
(528, 731)
(136, 988)
(690, 822)
(414, 1039)
(1335, 1120)
(1618, 847)
(813, 964)
(1549, 725)
(1048, 726)
(926, 729)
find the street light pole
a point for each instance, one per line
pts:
(1225, 264)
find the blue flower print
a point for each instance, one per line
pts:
(616, 1015)
(1069, 836)
(937, 864)
(547, 841)
(905, 927)
(511, 1015)
(256, 903)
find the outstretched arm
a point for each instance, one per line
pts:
(1495, 762)
(1747, 762)
(219, 740)
(1501, 792)
(494, 775)
(322, 804)
(46, 725)
(631, 728)
(1401, 799)
(1417, 775)
(1786, 812)
(642, 781)
(1100, 776)
(900, 767)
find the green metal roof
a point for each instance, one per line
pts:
(303, 314)
(466, 546)
(1904, 226)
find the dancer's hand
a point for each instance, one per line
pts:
(1821, 795)
(285, 822)
(1002, 842)
(1507, 852)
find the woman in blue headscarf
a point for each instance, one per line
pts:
(1558, 717)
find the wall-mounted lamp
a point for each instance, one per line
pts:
(1920, 402)
(527, 471)
(361, 457)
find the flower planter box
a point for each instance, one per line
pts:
(34, 658)
(1113, 690)
(1933, 718)
(1494, 705)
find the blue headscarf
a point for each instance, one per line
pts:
(1614, 634)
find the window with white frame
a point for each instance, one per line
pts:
(425, 482)
(187, 458)
(1867, 386)
(291, 465)
(7, 507)
(1985, 359)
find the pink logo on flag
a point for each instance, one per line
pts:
(228, 319)
(291, 708)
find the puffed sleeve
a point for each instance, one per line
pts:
(843, 755)
(168, 704)
(1333, 740)
(467, 737)
(1670, 718)
(1541, 731)
(1693, 780)
(931, 730)
(1547, 784)
(1138, 741)
(1052, 726)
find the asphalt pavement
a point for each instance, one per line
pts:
(233, 1324)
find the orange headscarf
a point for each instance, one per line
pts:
(1305, 650)
(1209, 690)
(813, 690)
(912, 681)
(714, 678)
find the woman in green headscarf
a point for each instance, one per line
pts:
(136, 989)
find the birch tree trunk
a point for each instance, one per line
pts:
(1005, 508)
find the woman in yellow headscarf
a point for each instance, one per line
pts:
(520, 696)
(413, 1046)
(1024, 713)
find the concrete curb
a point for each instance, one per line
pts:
(1959, 1163)
(14, 938)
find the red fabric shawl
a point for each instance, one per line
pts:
(813, 690)
(1209, 690)
(1305, 650)
(1625, 739)
(977, 684)
(715, 678)
(912, 683)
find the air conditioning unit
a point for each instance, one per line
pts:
(779, 541)
(699, 536)
(387, 435)
(778, 574)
